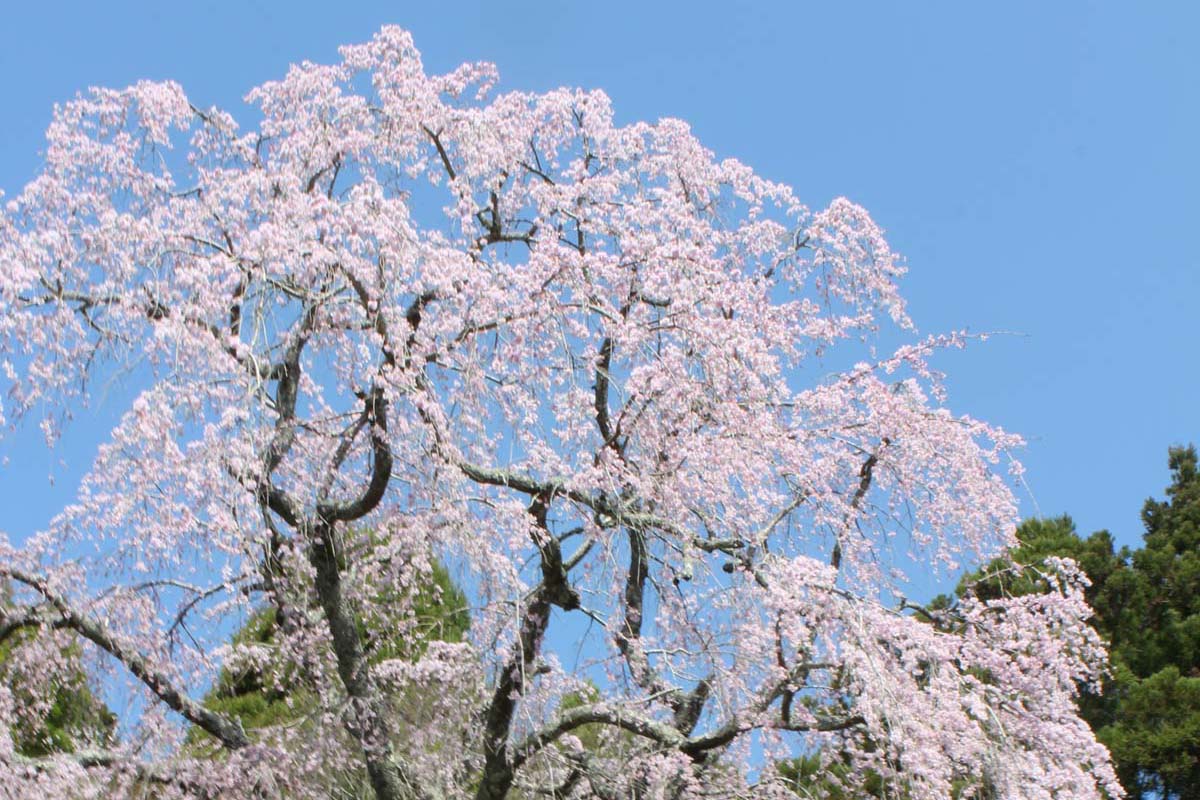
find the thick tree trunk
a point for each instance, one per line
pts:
(368, 721)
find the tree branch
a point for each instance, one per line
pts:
(865, 474)
(375, 410)
(441, 149)
(602, 713)
(228, 731)
(498, 771)
(555, 583)
(368, 715)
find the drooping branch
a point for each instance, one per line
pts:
(750, 717)
(368, 718)
(564, 789)
(226, 730)
(687, 706)
(342, 451)
(272, 570)
(599, 779)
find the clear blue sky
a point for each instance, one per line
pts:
(1035, 162)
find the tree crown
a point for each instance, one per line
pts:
(589, 386)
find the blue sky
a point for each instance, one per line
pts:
(1034, 161)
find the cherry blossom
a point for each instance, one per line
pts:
(581, 364)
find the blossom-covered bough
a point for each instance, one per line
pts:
(408, 320)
